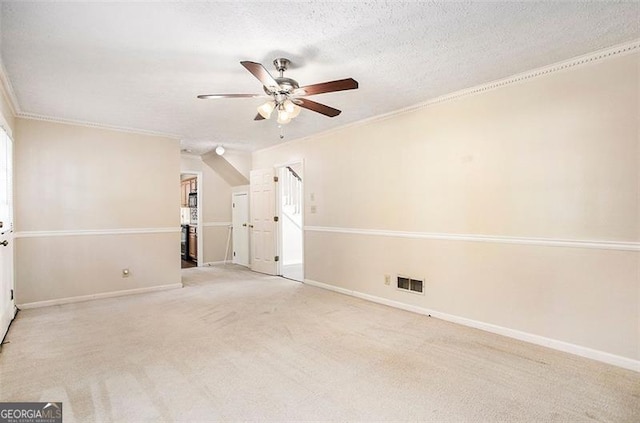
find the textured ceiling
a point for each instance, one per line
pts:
(141, 65)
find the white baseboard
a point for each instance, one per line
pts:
(215, 263)
(605, 357)
(81, 298)
(216, 224)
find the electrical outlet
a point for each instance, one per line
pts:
(125, 273)
(387, 279)
(313, 209)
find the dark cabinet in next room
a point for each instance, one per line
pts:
(193, 243)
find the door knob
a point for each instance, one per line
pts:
(251, 226)
(244, 224)
(4, 243)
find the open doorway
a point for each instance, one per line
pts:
(190, 212)
(291, 211)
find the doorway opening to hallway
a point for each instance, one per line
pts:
(290, 196)
(190, 227)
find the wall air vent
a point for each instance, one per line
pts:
(411, 285)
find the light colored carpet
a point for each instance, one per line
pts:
(235, 345)
(293, 271)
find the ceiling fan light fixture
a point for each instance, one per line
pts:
(266, 109)
(296, 111)
(291, 108)
(220, 150)
(284, 117)
(288, 105)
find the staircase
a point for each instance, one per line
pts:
(292, 234)
(292, 195)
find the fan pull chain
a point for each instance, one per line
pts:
(281, 131)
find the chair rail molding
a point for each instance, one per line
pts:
(547, 242)
(89, 232)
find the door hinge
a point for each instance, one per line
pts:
(275, 179)
(12, 294)
(276, 258)
(233, 204)
(234, 253)
(275, 218)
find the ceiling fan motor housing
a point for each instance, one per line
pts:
(287, 85)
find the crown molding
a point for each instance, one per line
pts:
(7, 90)
(34, 116)
(597, 56)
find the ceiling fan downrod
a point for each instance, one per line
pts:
(281, 65)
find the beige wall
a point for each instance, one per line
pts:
(216, 208)
(74, 178)
(215, 246)
(554, 157)
(241, 160)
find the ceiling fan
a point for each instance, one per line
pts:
(286, 95)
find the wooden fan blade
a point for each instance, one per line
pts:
(318, 107)
(258, 117)
(204, 96)
(328, 87)
(262, 74)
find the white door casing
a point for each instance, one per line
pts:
(240, 223)
(7, 303)
(263, 226)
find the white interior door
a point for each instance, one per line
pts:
(240, 222)
(7, 306)
(263, 226)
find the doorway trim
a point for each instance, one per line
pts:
(199, 182)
